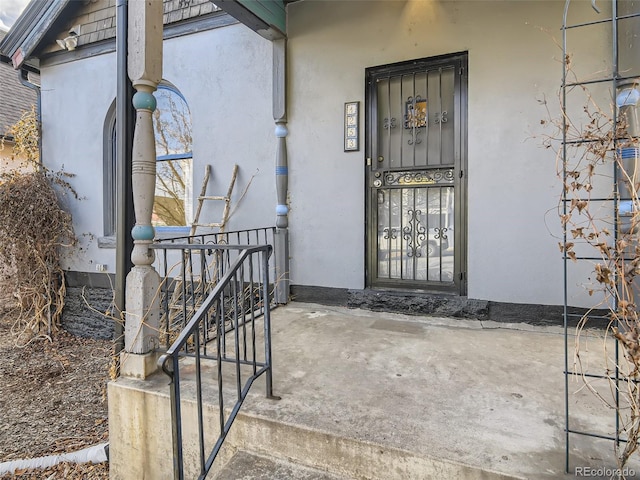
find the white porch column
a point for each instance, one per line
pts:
(282, 169)
(143, 282)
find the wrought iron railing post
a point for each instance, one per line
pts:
(267, 325)
(169, 366)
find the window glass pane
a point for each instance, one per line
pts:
(172, 123)
(172, 126)
(172, 190)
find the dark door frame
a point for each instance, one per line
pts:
(460, 60)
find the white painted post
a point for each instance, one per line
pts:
(281, 239)
(143, 282)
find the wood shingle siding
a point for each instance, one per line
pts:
(97, 21)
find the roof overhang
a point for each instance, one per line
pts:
(268, 18)
(30, 29)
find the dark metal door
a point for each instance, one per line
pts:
(416, 152)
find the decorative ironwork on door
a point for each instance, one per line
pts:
(417, 122)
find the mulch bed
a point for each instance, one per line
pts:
(74, 471)
(52, 400)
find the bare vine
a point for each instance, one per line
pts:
(33, 229)
(604, 229)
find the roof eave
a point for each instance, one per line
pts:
(30, 28)
(32, 65)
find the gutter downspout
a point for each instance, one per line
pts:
(23, 76)
(124, 145)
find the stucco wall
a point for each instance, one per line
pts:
(512, 185)
(75, 100)
(225, 77)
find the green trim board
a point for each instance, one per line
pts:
(265, 17)
(271, 12)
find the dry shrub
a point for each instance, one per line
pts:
(33, 228)
(24, 149)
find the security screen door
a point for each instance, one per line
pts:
(416, 153)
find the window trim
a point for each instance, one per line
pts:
(175, 156)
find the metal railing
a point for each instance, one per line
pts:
(252, 236)
(191, 266)
(222, 339)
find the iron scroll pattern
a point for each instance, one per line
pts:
(389, 123)
(389, 233)
(440, 117)
(440, 233)
(415, 118)
(414, 233)
(420, 177)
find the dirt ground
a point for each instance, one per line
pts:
(52, 400)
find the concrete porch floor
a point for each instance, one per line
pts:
(379, 395)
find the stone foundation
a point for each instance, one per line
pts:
(84, 312)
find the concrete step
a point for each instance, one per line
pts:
(249, 466)
(343, 456)
(371, 396)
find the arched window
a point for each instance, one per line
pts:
(172, 125)
(173, 196)
(109, 172)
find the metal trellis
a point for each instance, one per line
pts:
(615, 12)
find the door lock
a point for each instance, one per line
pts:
(377, 183)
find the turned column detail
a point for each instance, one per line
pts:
(282, 170)
(143, 282)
